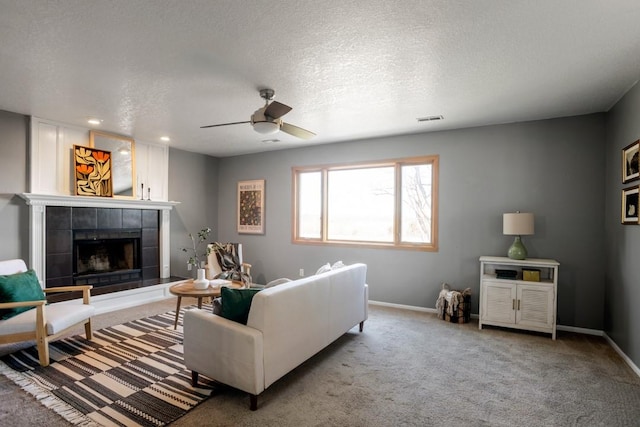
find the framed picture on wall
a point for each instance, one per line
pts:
(251, 206)
(630, 205)
(630, 171)
(92, 171)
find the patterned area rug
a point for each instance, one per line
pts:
(130, 374)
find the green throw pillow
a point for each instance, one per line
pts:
(17, 288)
(236, 303)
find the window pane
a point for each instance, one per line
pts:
(416, 203)
(361, 204)
(310, 206)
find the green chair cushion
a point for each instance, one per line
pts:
(19, 287)
(236, 303)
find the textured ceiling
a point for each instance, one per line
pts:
(349, 69)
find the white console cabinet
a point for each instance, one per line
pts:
(517, 303)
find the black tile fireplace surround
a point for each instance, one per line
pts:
(137, 228)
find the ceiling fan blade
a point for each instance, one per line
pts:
(224, 124)
(275, 110)
(296, 131)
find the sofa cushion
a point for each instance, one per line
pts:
(236, 303)
(324, 269)
(336, 265)
(17, 288)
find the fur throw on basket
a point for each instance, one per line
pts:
(452, 298)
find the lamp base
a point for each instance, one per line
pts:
(517, 250)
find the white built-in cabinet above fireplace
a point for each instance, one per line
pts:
(51, 170)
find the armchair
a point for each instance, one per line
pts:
(225, 262)
(42, 322)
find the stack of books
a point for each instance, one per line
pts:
(506, 274)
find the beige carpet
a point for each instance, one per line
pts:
(410, 368)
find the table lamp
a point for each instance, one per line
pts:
(517, 224)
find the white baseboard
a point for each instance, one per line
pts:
(632, 365)
(410, 307)
(403, 307)
(575, 329)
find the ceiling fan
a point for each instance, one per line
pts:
(266, 120)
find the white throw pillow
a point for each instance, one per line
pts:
(336, 265)
(324, 268)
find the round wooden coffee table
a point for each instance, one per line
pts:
(186, 289)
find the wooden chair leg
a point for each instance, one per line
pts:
(194, 378)
(361, 326)
(253, 402)
(42, 343)
(43, 350)
(87, 330)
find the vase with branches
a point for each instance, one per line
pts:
(194, 252)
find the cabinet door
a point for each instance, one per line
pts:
(152, 166)
(498, 302)
(535, 305)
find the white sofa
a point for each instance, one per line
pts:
(287, 324)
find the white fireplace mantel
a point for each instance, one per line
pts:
(94, 202)
(38, 230)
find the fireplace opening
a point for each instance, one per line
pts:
(106, 257)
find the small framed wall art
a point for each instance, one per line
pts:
(630, 205)
(92, 172)
(630, 167)
(251, 206)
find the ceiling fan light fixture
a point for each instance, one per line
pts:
(267, 119)
(266, 127)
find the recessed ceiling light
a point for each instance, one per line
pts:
(93, 121)
(165, 138)
(429, 118)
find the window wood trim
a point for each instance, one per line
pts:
(324, 169)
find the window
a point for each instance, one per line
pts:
(389, 203)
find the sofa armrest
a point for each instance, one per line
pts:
(223, 350)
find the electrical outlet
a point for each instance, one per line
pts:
(302, 272)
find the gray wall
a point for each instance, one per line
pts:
(622, 278)
(14, 231)
(554, 168)
(193, 181)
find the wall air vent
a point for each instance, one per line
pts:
(429, 118)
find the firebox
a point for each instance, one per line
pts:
(105, 257)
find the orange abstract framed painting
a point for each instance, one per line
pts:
(92, 172)
(251, 207)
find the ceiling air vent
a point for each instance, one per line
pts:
(429, 118)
